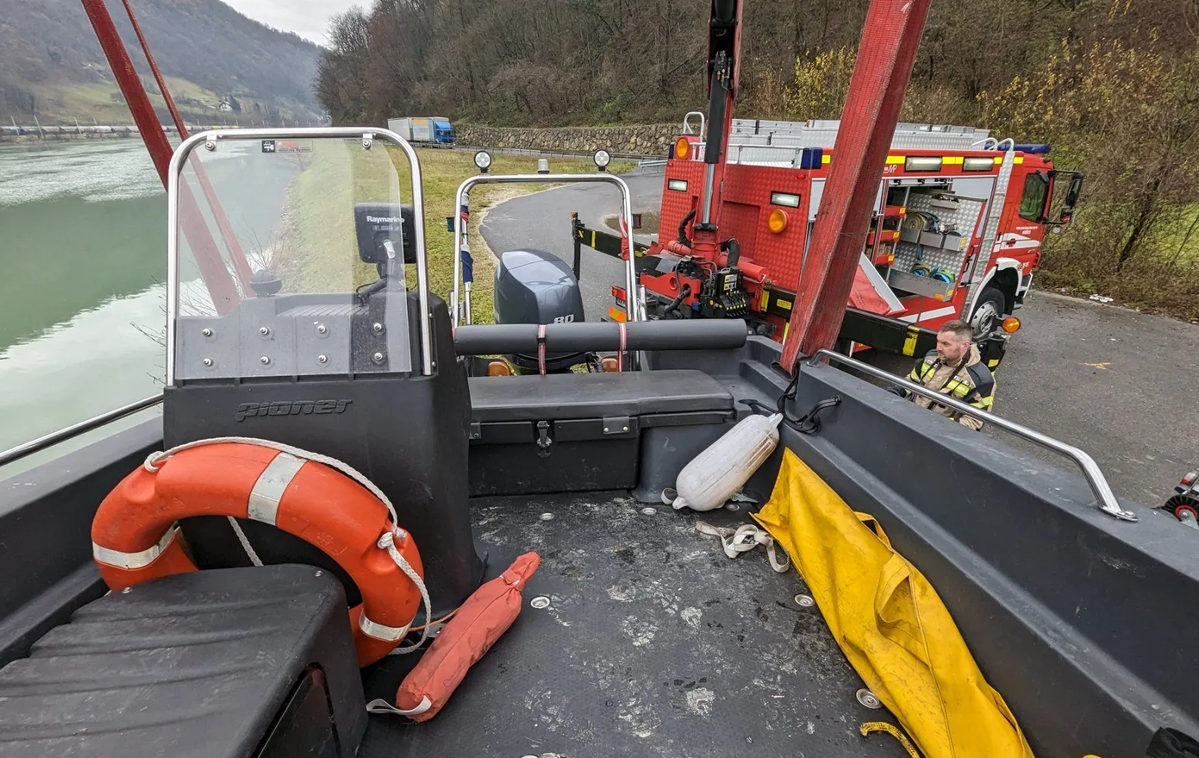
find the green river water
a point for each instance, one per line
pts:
(82, 270)
(82, 261)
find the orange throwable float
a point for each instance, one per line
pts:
(135, 538)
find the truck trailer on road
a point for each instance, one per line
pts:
(435, 130)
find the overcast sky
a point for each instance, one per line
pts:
(307, 18)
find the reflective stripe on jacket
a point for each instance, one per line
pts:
(970, 381)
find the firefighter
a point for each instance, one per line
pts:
(955, 369)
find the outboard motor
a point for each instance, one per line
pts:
(536, 287)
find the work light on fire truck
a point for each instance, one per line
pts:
(978, 164)
(922, 163)
(483, 161)
(602, 158)
(777, 221)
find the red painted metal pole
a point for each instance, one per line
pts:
(218, 213)
(162, 85)
(880, 78)
(208, 258)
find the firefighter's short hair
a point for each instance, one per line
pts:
(960, 328)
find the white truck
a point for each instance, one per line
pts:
(434, 130)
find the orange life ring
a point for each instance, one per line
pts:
(134, 536)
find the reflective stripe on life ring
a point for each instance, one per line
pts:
(134, 537)
(381, 631)
(271, 484)
(141, 558)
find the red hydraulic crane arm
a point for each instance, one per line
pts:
(208, 257)
(885, 57)
(218, 213)
(724, 68)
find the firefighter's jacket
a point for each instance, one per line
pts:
(969, 381)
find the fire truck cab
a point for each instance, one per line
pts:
(957, 228)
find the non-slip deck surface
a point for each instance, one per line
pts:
(653, 644)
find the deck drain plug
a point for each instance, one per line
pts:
(547, 517)
(805, 601)
(869, 699)
(541, 601)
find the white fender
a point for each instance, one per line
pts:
(717, 473)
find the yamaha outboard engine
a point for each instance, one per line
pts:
(536, 287)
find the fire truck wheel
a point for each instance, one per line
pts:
(988, 313)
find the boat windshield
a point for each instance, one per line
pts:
(291, 258)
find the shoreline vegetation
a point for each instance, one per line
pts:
(1111, 85)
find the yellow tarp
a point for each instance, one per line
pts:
(889, 621)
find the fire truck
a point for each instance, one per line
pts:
(958, 222)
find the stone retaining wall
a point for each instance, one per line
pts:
(642, 141)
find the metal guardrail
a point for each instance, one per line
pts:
(1090, 469)
(459, 306)
(62, 435)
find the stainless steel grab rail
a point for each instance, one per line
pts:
(74, 430)
(1094, 476)
(368, 135)
(636, 307)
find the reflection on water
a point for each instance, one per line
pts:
(82, 261)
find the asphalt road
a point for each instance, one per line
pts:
(1119, 384)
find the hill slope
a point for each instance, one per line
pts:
(52, 66)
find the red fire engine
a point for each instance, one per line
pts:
(956, 232)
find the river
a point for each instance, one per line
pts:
(82, 262)
(82, 270)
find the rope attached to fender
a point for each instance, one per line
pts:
(745, 538)
(386, 540)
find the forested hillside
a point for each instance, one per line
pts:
(51, 65)
(1112, 84)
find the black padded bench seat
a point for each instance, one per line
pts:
(254, 662)
(564, 396)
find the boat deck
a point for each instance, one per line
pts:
(653, 644)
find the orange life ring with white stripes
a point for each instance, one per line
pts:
(135, 538)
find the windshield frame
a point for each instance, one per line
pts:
(368, 137)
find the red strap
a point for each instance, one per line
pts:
(541, 348)
(624, 341)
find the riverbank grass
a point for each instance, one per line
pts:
(318, 249)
